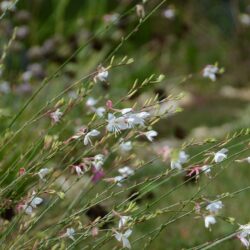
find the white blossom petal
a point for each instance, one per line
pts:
(126, 171)
(209, 220)
(125, 146)
(214, 207)
(151, 134)
(42, 173)
(100, 111)
(91, 102)
(220, 155)
(36, 201)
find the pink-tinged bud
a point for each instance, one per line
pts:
(22, 171)
(19, 207)
(98, 174)
(197, 208)
(109, 104)
(140, 11)
(164, 152)
(94, 231)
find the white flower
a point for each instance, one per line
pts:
(42, 173)
(126, 121)
(143, 115)
(243, 235)
(78, 170)
(99, 157)
(111, 18)
(150, 135)
(79, 133)
(27, 209)
(98, 161)
(36, 201)
(214, 207)
(33, 202)
(136, 118)
(210, 72)
(123, 237)
(116, 124)
(177, 163)
(125, 146)
(91, 102)
(220, 155)
(70, 232)
(126, 171)
(102, 75)
(100, 111)
(26, 76)
(118, 180)
(183, 157)
(245, 19)
(206, 169)
(248, 159)
(5, 88)
(126, 110)
(209, 220)
(87, 138)
(245, 229)
(7, 5)
(245, 242)
(169, 13)
(72, 94)
(56, 116)
(123, 221)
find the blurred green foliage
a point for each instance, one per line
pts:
(202, 32)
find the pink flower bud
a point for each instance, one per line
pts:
(94, 231)
(19, 207)
(197, 208)
(98, 174)
(22, 171)
(109, 104)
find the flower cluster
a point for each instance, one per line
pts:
(70, 232)
(87, 138)
(125, 172)
(91, 102)
(178, 160)
(213, 209)
(122, 235)
(56, 116)
(30, 204)
(42, 173)
(102, 75)
(221, 155)
(125, 146)
(244, 235)
(127, 120)
(212, 71)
